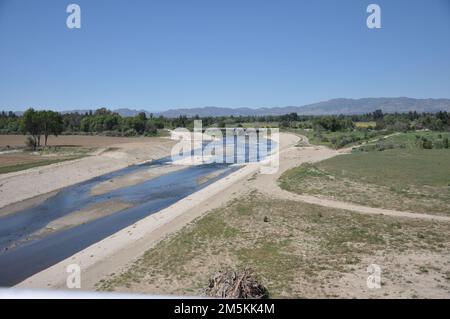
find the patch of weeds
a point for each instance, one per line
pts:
(423, 270)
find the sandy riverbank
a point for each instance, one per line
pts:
(134, 178)
(83, 216)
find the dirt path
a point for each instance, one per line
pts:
(279, 193)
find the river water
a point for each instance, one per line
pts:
(23, 253)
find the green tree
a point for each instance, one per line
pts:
(31, 124)
(85, 124)
(139, 122)
(52, 124)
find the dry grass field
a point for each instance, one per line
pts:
(13, 156)
(14, 141)
(298, 251)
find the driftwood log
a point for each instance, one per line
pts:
(231, 284)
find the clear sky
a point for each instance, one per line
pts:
(161, 54)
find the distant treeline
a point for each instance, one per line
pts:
(376, 121)
(106, 122)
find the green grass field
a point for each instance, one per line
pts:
(403, 177)
(393, 167)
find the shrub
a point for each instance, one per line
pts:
(438, 144)
(130, 132)
(424, 143)
(30, 142)
(427, 144)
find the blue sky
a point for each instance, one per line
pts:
(161, 54)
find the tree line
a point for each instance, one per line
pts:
(38, 123)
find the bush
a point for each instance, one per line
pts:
(130, 132)
(30, 142)
(424, 143)
(428, 145)
(438, 144)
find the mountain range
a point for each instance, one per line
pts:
(330, 107)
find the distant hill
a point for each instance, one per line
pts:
(335, 106)
(365, 105)
(330, 107)
(128, 112)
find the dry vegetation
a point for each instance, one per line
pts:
(297, 250)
